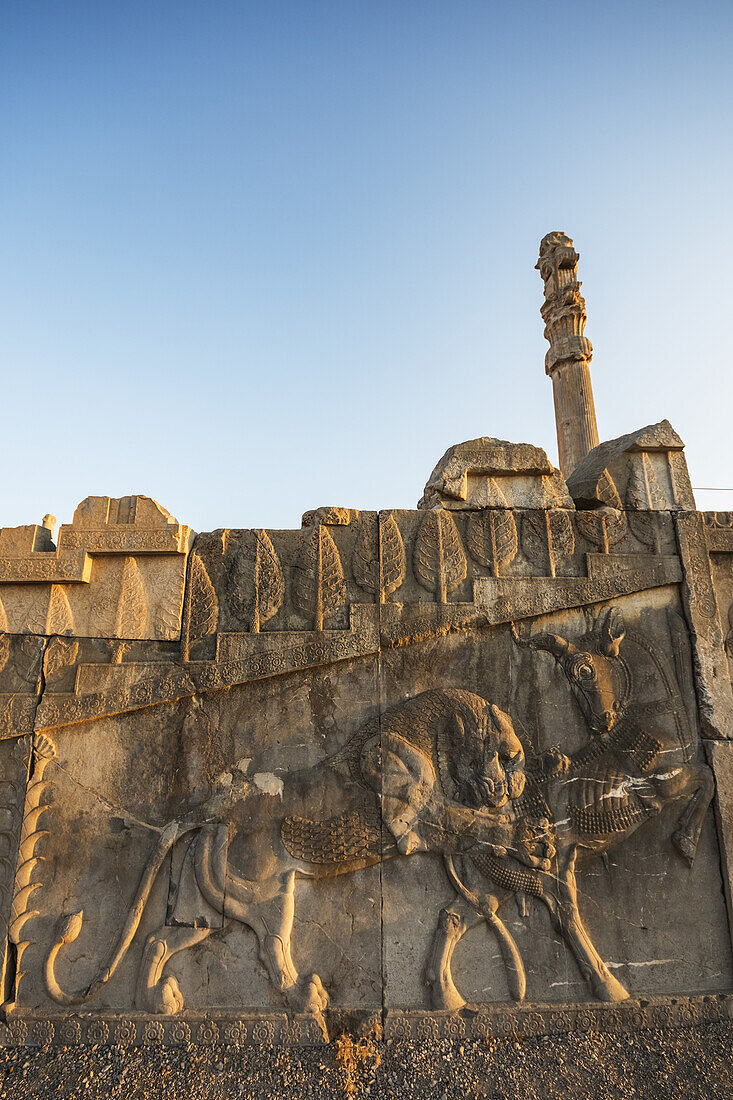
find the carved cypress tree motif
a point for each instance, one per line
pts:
(60, 653)
(132, 610)
(4, 650)
(548, 531)
(437, 556)
(3, 618)
(392, 563)
(167, 612)
(202, 611)
(59, 619)
(384, 573)
(256, 588)
(643, 496)
(44, 752)
(268, 582)
(365, 560)
(608, 492)
(319, 582)
(602, 528)
(492, 538)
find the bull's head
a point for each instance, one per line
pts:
(486, 760)
(595, 670)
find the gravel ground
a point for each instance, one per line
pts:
(682, 1064)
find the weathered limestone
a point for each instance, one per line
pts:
(118, 572)
(491, 473)
(372, 736)
(720, 758)
(568, 360)
(644, 471)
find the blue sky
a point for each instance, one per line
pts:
(260, 257)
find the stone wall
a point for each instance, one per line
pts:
(457, 770)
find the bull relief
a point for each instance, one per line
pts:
(463, 769)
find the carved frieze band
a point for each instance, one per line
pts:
(280, 1029)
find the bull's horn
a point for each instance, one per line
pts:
(553, 643)
(612, 631)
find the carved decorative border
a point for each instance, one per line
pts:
(278, 1029)
(542, 1019)
(36, 1030)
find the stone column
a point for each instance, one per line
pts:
(567, 361)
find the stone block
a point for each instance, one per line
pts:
(118, 572)
(643, 471)
(491, 473)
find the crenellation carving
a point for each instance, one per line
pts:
(647, 467)
(493, 473)
(509, 681)
(79, 586)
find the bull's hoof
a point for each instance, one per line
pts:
(165, 998)
(443, 994)
(609, 990)
(685, 845)
(446, 998)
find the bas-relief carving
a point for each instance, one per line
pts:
(425, 591)
(444, 773)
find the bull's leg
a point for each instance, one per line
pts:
(154, 992)
(454, 921)
(566, 919)
(699, 786)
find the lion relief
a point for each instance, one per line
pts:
(435, 773)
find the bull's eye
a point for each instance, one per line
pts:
(583, 670)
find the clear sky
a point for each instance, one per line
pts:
(263, 256)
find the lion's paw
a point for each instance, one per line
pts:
(165, 998)
(309, 996)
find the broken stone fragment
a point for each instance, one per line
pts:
(644, 471)
(492, 473)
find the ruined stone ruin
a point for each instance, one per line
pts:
(458, 770)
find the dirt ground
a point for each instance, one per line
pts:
(675, 1064)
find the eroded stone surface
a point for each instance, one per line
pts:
(492, 473)
(641, 472)
(117, 572)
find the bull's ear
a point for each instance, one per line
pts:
(612, 632)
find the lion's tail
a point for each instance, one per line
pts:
(68, 927)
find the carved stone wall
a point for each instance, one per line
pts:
(461, 769)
